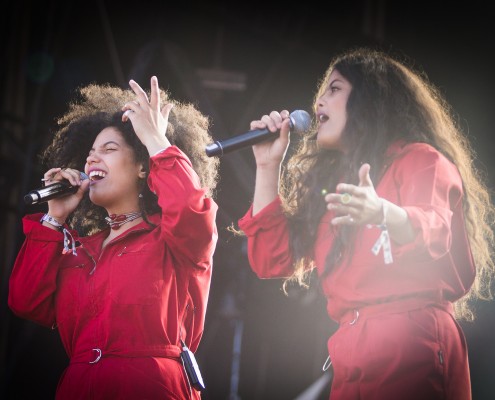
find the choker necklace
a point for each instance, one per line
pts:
(117, 220)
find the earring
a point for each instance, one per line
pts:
(140, 195)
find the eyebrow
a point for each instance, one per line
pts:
(106, 144)
(335, 80)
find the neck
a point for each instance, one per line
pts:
(115, 221)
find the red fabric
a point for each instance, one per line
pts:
(438, 265)
(412, 355)
(134, 300)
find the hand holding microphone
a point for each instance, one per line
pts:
(300, 121)
(53, 190)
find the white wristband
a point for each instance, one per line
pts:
(52, 221)
(383, 241)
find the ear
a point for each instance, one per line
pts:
(142, 172)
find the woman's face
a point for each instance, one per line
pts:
(113, 172)
(331, 112)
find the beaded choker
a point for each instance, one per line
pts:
(117, 220)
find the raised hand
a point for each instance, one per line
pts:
(271, 153)
(148, 120)
(356, 205)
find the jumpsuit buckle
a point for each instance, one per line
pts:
(356, 317)
(98, 356)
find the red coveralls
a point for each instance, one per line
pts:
(122, 311)
(397, 338)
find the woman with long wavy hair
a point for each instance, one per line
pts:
(383, 198)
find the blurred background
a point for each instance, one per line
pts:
(235, 63)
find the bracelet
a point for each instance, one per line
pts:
(69, 241)
(383, 241)
(383, 224)
(52, 221)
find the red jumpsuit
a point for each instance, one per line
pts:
(397, 338)
(122, 310)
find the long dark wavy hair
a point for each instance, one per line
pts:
(99, 106)
(389, 101)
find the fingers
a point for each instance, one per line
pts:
(166, 110)
(49, 175)
(72, 175)
(345, 206)
(364, 175)
(344, 220)
(355, 205)
(155, 94)
(57, 174)
(142, 99)
(129, 107)
(140, 93)
(274, 121)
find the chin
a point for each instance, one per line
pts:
(324, 143)
(95, 199)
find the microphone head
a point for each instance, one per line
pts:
(300, 121)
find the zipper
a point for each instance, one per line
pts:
(440, 356)
(95, 262)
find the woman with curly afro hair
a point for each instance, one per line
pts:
(122, 267)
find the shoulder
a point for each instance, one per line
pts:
(418, 154)
(422, 160)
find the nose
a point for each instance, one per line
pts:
(90, 159)
(320, 101)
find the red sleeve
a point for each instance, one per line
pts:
(188, 217)
(33, 280)
(268, 241)
(430, 190)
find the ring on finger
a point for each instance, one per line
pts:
(345, 198)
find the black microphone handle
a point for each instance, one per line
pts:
(299, 121)
(247, 139)
(49, 192)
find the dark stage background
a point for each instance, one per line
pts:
(235, 63)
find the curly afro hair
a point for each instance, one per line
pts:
(99, 106)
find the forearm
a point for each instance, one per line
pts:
(266, 187)
(397, 222)
(156, 145)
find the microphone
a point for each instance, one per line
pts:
(54, 190)
(299, 122)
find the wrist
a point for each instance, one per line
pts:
(383, 222)
(52, 221)
(155, 147)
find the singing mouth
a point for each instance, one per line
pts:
(322, 118)
(97, 175)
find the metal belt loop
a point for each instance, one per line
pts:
(97, 357)
(356, 312)
(327, 364)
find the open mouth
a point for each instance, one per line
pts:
(322, 118)
(95, 176)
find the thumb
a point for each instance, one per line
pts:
(364, 175)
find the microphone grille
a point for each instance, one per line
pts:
(300, 121)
